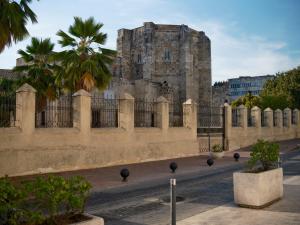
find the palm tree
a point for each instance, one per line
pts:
(85, 64)
(39, 67)
(13, 19)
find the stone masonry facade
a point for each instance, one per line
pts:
(169, 60)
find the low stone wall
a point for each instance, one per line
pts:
(28, 150)
(25, 149)
(244, 135)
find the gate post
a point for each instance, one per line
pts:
(190, 115)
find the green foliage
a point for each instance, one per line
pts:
(13, 205)
(42, 200)
(11, 200)
(217, 148)
(285, 85)
(85, 64)
(248, 100)
(57, 195)
(264, 152)
(13, 19)
(274, 102)
(39, 68)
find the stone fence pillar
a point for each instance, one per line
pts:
(256, 115)
(82, 111)
(162, 115)
(25, 108)
(268, 112)
(278, 118)
(126, 115)
(243, 116)
(190, 115)
(287, 112)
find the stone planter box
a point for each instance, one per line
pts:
(216, 155)
(93, 221)
(258, 190)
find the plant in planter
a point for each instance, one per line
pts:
(45, 201)
(262, 183)
(217, 151)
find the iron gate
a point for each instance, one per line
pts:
(211, 126)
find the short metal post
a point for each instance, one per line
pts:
(173, 201)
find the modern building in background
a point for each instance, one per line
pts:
(243, 85)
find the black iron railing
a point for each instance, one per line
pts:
(294, 119)
(236, 117)
(210, 116)
(285, 118)
(144, 113)
(7, 110)
(250, 118)
(275, 119)
(263, 117)
(105, 112)
(57, 113)
(175, 114)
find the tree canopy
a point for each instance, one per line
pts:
(286, 85)
(84, 65)
(39, 67)
(13, 20)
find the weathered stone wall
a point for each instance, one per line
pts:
(220, 93)
(176, 54)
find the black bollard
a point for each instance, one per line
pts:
(210, 162)
(124, 173)
(173, 166)
(236, 156)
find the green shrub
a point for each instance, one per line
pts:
(56, 195)
(13, 205)
(217, 148)
(266, 153)
(43, 200)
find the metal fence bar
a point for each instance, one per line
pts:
(105, 112)
(236, 117)
(250, 118)
(175, 114)
(285, 119)
(275, 119)
(57, 113)
(7, 110)
(294, 120)
(144, 113)
(263, 118)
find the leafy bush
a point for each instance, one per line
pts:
(43, 200)
(217, 148)
(266, 153)
(13, 205)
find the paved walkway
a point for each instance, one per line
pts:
(283, 212)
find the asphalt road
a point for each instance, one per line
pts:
(145, 203)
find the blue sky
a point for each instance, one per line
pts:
(248, 37)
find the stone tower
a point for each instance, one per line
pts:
(175, 56)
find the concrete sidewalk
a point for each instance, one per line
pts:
(284, 212)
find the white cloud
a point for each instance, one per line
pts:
(243, 55)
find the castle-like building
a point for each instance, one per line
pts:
(169, 60)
